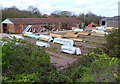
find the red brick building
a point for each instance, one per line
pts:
(17, 25)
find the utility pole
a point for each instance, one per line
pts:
(84, 19)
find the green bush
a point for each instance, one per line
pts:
(101, 67)
(25, 61)
(112, 47)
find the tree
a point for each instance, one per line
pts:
(14, 12)
(58, 13)
(34, 10)
(89, 17)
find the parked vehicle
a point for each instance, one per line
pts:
(97, 31)
(42, 44)
(16, 37)
(63, 41)
(79, 30)
(27, 33)
(3, 43)
(45, 38)
(33, 36)
(70, 49)
(102, 28)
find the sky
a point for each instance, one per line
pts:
(108, 8)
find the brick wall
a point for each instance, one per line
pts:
(11, 28)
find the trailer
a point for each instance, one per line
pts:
(101, 31)
(99, 34)
(15, 37)
(79, 40)
(33, 36)
(45, 38)
(27, 33)
(63, 41)
(102, 28)
(75, 28)
(42, 44)
(70, 49)
(79, 30)
(3, 43)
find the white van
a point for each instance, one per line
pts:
(63, 41)
(70, 49)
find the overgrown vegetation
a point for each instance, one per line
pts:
(112, 47)
(27, 63)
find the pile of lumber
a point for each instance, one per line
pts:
(71, 34)
(79, 40)
(56, 35)
(83, 33)
(98, 34)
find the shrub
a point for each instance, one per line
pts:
(25, 63)
(112, 47)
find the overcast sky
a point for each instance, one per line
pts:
(106, 8)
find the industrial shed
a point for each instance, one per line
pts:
(111, 21)
(18, 25)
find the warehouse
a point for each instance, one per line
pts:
(18, 25)
(111, 21)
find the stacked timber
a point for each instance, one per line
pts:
(56, 35)
(71, 35)
(79, 40)
(83, 33)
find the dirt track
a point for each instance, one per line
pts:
(60, 60)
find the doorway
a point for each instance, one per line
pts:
(103, 22)
(4, 27)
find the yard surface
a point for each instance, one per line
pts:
(62, 60)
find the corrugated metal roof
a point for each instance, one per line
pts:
(44, 20)
(7, 21)
(114, 18)
(111, 18)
